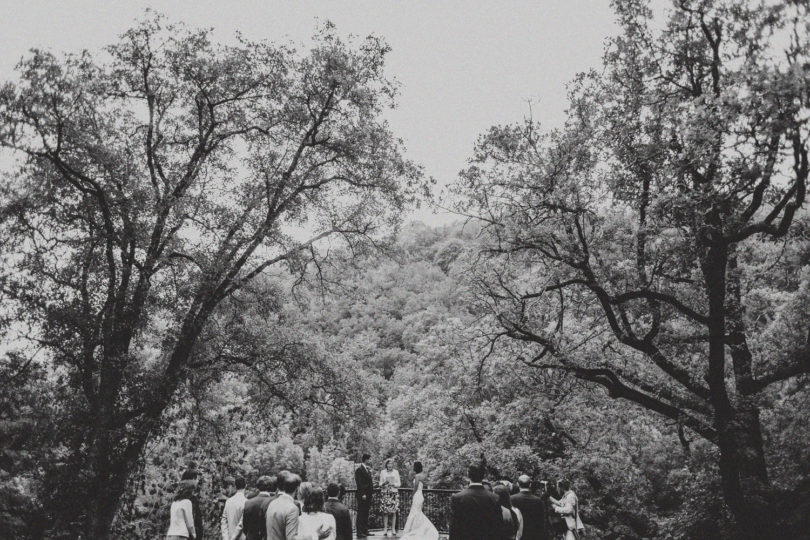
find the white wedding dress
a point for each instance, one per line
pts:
(418, 526)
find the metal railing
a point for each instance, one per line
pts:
(436, 507)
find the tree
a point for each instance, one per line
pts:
(160, 181)
(655, 245)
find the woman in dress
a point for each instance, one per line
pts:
(418, 526)
(512, 519)
(389, 495)
(314, 518)
(181, 518)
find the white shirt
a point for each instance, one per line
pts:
(181, 522)
(390, 477)
(232, 514)
(309, 522)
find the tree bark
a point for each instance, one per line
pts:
(743, 470)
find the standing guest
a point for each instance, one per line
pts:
(181, 519)
(343, 518)
(365, 489)
(191, 474)
(568, 508)
(234, 508)
(314, 518)
(389, 495)
(474, 512)
(512, 527)
(303, 491)
(253, 524)
(533, 509)
(282, 516)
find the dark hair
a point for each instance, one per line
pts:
(332, 490)
(417, 467)
(267, 483)
(288, 482)
(365, 458)
(313, 501)
(565, 485)
(503, 495)
(240, 482)
(476, 473)
(190, 474)
(185, 490)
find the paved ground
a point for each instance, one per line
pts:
(379, 534)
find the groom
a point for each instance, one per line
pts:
(365, 489)
(475, 513)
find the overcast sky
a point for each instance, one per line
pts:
(464, 65)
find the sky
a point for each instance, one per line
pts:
(463, 66)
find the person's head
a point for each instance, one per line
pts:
(304, 489)
(364, 460)
(190, 474)
(267, 483)
(417, 467)
(389, 464)
(185, 490)
(476, 474)
(230, 485)
(288, 482)
(239, 483)
(332, 490)
(564, 485)
(313, 502)
(524, 482)
(502, 492)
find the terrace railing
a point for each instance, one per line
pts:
(436, 507)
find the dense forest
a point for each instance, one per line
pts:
(206, 258)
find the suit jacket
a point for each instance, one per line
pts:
(196, 512)
(533, 509)
(282, 518)
(342, 517)
(475, 515)
(253, 522)
(365, 484)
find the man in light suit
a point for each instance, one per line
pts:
(233, 509)
(475, 513)
(282, 514)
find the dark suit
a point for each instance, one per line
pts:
(196, 513)
(475, 515)
(253, 516)
(343, 518)
(533, 509)
(365, 489)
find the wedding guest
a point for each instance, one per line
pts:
(533, 509)
(181, 519)
(568, 508)
(343, 518)
(512, 520)
(389, 495)
(314, 517)
(282, 519)
(365, 489)
(303, 491)
(232, 512)
(192, 474)
(253, 524)
(474, 512)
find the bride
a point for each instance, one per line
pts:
(418, 526)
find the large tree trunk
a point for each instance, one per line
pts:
(743, 470)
